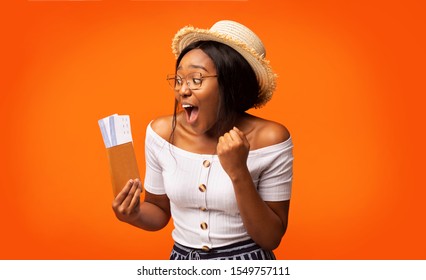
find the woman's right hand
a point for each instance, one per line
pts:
(126, 203)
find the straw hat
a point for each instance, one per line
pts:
(241, 39)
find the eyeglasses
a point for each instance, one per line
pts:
(193, 80)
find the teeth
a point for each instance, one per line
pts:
(187, 106)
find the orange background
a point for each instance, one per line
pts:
(351, 90)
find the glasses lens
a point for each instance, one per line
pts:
(174, 81)
(195, 80)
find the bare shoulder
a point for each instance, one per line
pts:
(271, 133)
(264, 133)
(162, 126)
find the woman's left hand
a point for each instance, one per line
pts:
(232, 149)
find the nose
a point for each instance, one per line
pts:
(185, 90)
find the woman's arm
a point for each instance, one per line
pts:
(266, 222)
(152, 214)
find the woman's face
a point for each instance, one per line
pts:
(200, 105)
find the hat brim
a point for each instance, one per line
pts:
(266, 77)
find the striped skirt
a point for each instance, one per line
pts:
(245, 250)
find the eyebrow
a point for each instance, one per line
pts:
(195, 67)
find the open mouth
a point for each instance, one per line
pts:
(191, 112)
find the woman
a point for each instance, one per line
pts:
(223, 175)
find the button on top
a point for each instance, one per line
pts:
(202, 188)
(205, 248)
(203, 225)
(206, 163)
(203, 209)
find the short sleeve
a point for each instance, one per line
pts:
(153, 173)
(276, 178)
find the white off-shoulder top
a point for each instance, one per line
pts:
(202, 200)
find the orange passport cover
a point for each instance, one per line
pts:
(123, 165)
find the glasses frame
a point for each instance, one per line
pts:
(174, 76)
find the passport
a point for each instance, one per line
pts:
(117, 136)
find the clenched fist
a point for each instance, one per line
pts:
(232, 150)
